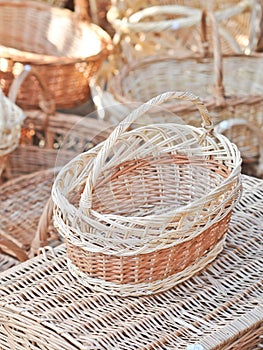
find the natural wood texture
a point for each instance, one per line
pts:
(150, 207)
(43, 306)
(63, 47)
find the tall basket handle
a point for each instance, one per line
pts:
(81, 10)
(86, 198)
(219, 91)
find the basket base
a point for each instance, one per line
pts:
(141, 289)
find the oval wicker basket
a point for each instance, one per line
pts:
(174, 30)
(213, 78)
(150, 207)
(11, 119)
(61, 45)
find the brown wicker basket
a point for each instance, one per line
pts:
(42, 306)
(148, 208)
(115, 91)
(64, 48)
(174, 30)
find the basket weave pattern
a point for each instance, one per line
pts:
(158, 195)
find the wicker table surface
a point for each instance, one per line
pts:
(43, 307)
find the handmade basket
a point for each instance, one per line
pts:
(173, 29)
(116, 90)
(61, 45)
(240, 131)
(45, 131)
(150, 207)
(43, 306)
(11, 118)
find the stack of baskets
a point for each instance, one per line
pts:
(231, 86)
(150, 207)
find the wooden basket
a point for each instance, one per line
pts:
(148, 208)
(11, 118)
(115, 91)
(43, 306)
(61, 45)
(174, 30)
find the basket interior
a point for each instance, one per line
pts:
(156, 185)
(47, 31)
(198, 77)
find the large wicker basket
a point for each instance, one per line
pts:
(174, 29)
(150, 207)
(42, 306)
(63, 47)
(115, 91)
(11, 119)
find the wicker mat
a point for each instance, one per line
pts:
(43, 307)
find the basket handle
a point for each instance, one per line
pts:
(40, 239)
(85, 200)
(81, 10)
(46, 103)
(219, 91)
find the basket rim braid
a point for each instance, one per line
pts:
(150, 205)
(66, 49)
(135, 26)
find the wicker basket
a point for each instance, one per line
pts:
(174, 30)
(214, 79)
(65, 50)
(11, 118)
(42, 306)
(150, 207)
(45, 131)
(240, 131)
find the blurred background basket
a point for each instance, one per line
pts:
(165, 27)
(230, 86)
(45, 131)
(150, 207)
(61, 45)
(11, 119)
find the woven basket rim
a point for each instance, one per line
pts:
(22, 56)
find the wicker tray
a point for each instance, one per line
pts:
(43, 306)
(65, 50)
